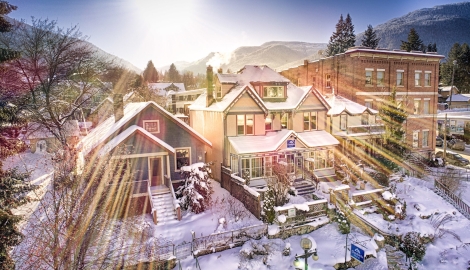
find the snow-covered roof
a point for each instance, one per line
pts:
(229, 98)
(128, 132)
(340, 104)
(459, 97)
(447, 88)
(160, 88)
(317, 138)
(37, 131)
(294, 97)
(273, 140)
(227, 78)
(263, 73)
(102, 132)
(414, 53)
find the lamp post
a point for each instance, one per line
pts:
(310, 248)
(452, 84)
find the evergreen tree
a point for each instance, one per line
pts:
(343, 38)
(431, 47)
(5, 26)
(370, 38)
(414, 43)
(393, 115)
(150, 73)
(173, 74)
(460, 53)
(268, 206)
(196, 192)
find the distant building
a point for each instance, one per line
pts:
(180, 102)
(41, 140)
(368, 76)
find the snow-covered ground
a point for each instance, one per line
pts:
(448, 251)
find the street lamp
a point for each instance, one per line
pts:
(309, 246)
(452, 84)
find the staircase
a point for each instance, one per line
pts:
(395, 258)
(304, 187)
(162, 203)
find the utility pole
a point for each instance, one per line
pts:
(445, 136)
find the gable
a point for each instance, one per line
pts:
(137, 143)
(245, 104)
(311, 102)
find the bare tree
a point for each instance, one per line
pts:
(279, 183)
(57, 67)
(451, 180)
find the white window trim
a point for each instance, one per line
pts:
(427, 71)
(381, 69)
(418, 71)
(176, 161)
(400, 70)
(152, 121)
(369, 69)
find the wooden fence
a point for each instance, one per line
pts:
(444, 192)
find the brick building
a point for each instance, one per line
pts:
(368, 76)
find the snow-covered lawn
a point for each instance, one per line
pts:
(424, 209)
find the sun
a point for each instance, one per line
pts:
(164, 16)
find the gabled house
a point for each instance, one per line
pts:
(354, 125)
(458, 101)
(257, 117)
(155, 145)
(41, 140)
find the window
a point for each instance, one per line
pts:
(218, 92)
(310, 120)
(343, 121)
(415, 139)
(380, 77)
(284, 120)
(328, 81)
(182, 157)
(268, 165)
(427, 78)
(426, 107)
(365, 119)
(368, 77)
(180, 98)
(425, 138)
(152, 126)
(400, 75)
(254, 166)
(368, 103)
(245, 124)
(268, 123)
(417, 106)
(417, 78)
(273, 91)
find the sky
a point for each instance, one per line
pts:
(188, 30)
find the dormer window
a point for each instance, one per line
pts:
(152, 126)
(273, 91)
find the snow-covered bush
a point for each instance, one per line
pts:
(229, 208)
(195, 194)
(413, 246)
(268, 213)
(343, 222)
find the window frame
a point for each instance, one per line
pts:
(245, 124)
(400, 78)
(426, 106)
(176, 157)
(328, 81)
(343, 123)
(279, 91)
(286, 115)
(427, 79)
(365, 119)
(425, 138)
(417, 109)
(308, 123)
(415, 141)
(380, 81)
(418, 78)
(368, 78)
(266, 123)
(145, 122)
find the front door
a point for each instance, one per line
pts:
(156, 171)
(299, 167)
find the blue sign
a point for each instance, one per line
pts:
(290, 143)
(357, 253)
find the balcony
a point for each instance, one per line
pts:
(368, 129)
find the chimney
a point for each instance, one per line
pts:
(118, 106)
(210, 86)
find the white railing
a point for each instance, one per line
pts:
(176, 203)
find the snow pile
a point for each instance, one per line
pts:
(388, 196)
(281, 218)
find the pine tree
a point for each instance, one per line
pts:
(5, 26)
(460, 53)
(393, 115)
(173, 74)
(431, 47)
(370, 38)
(150, 73)
(343, 38)
(414, 43)
(196, 192)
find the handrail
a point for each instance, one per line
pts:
(176, 205)
(463, 207)
(154, 212)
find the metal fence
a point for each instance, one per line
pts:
(441, 189)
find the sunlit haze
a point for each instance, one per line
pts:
(184, 30)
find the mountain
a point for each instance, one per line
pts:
(443, 25)
(99, 52)
(278, 55)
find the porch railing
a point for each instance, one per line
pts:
(444, 192)
(176, 203)
(375, 128)
(153, 211)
